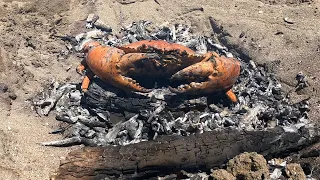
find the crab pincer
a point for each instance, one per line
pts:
(219, 73)
(111, 65)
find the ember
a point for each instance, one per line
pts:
(107, 116)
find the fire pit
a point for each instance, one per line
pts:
(105, 115)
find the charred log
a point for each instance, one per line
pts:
(169, 154)
(103, 97)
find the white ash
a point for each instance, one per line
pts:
(262, 103)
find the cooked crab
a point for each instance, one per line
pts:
(152, 58)
(205, 72)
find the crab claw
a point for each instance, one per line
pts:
(112, 65)
(131, 64)
(196, 77)
(127, 83)
(218, 73)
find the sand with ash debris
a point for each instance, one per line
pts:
(29, 57)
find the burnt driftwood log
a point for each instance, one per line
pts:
(169, 154)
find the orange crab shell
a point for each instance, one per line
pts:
(172, 57)
(164, 48)
(112, 64)
(159, 46)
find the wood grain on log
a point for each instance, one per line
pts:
(171, 154)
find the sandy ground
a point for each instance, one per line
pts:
(29, 56)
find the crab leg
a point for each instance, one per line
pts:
(81, 67)
(230, 94)
(86, 81)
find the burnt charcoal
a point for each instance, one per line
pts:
(12, 96)
(268, 114)
(278, 97)
(165, 125)
(183, 132)
(71, 141)
(155, 126)
(88, 142)
(285, 111)
(65, 118)
(99, 129)
(90, 134)
(65, 142)
(186, 102)
(144, 114)
(57, 131)
(307, 168)
(76, 129)
(304, 106)
(302, 81)
(215, 108)
(97, 98)
(106, 115)
(218, 117)
(83, 132)
(276, 90)
(93, 21)
(163, 34)
(92, 122)
(3, 87)
(128, 115)
(138, 29)
(132, 127)
(312, 153)
(260, 79)
(228, 122)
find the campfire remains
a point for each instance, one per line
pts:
(108, 116)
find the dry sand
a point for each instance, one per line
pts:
(28, 56)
